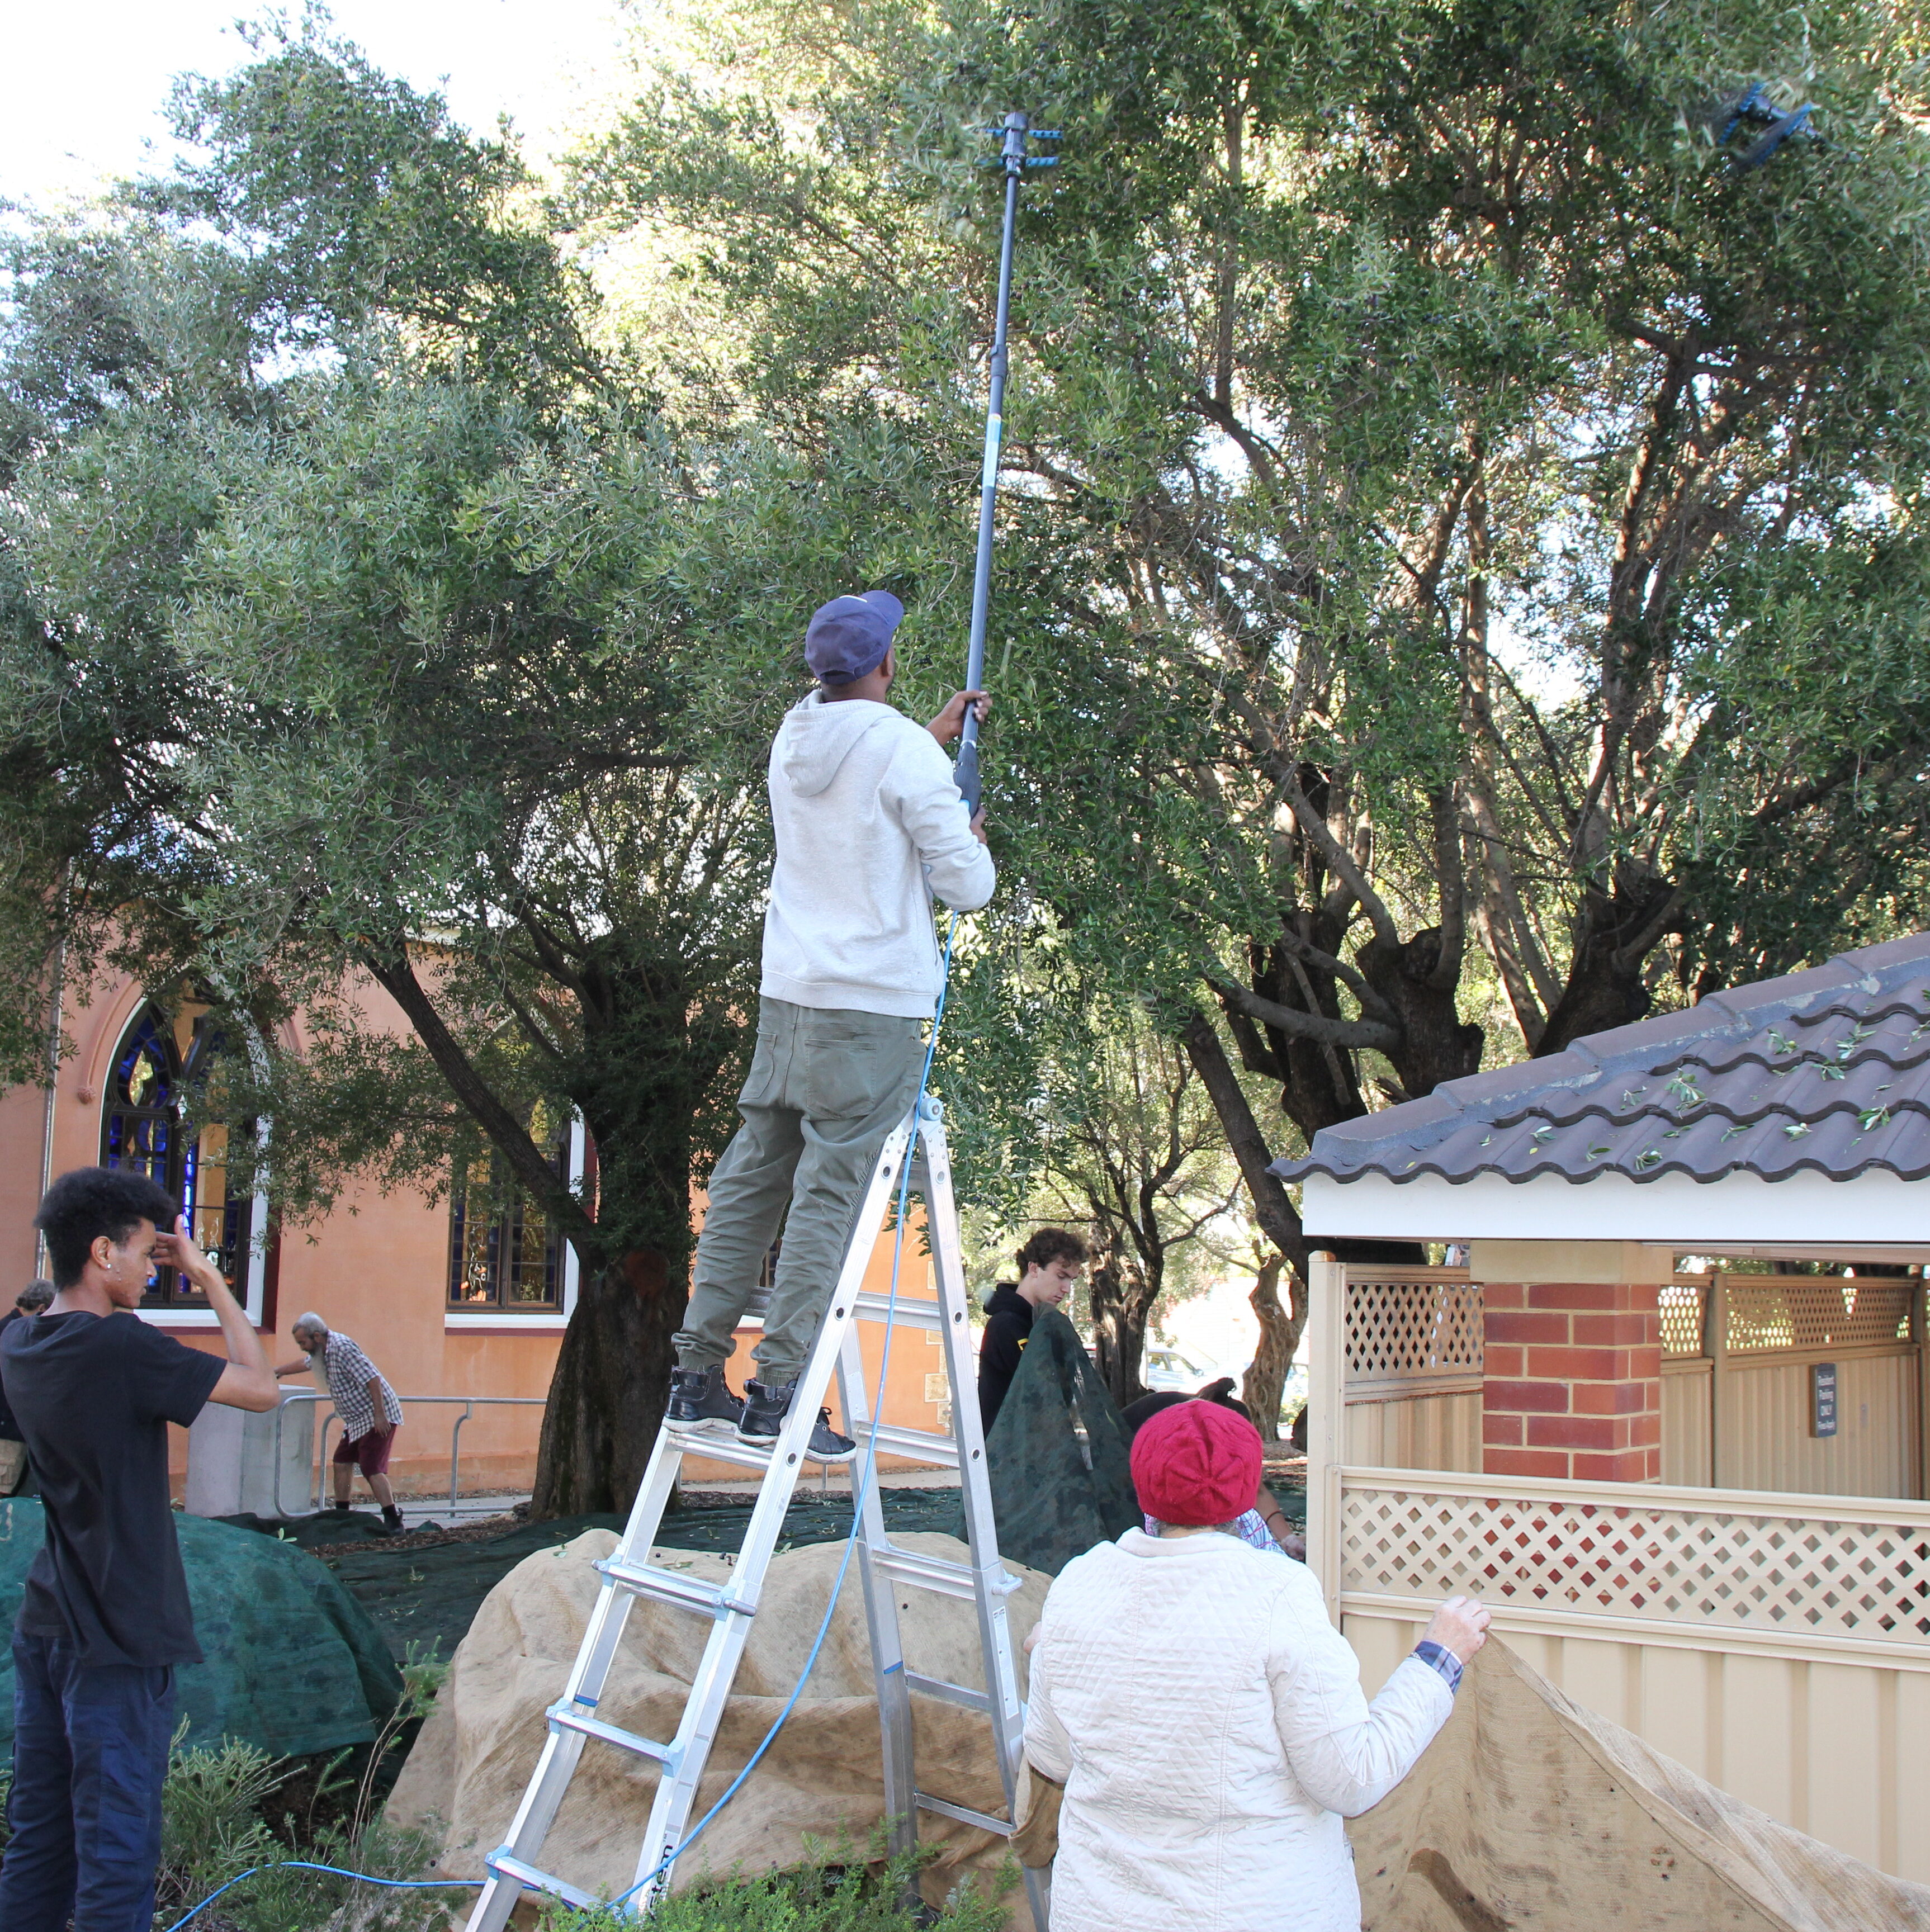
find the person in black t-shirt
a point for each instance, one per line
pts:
(105, 1617)
(1049, 1266)
(27, 1304)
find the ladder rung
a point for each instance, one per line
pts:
(964, 1814)
(914, 1311)
(689, 1593)
(722, 1449)
(505, 1864)
(937, 1573)
(915, 1445)
(947, 1693)
(562, 1718)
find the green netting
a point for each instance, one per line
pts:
(428, 1596)
(1058, 1456)
(294, 1663)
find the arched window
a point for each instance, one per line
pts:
(157, 1062)
(505, 1256)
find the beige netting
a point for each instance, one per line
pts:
(821, 1779)
(1527, 1812)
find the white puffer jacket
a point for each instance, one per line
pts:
(1207, 1722)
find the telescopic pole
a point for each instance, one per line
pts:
(1013, 154)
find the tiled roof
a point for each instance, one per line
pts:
(1828, 1069)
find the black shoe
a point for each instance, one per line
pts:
(765, 1407)
(701, 1403)
(391, 1521)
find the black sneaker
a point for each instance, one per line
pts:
(391, 1521)
(765, 1407)
(701, 1403)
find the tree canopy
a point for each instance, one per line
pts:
(1460, 582)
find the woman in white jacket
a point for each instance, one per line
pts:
(1204, 1718)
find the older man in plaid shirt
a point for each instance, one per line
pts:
(369, 1411)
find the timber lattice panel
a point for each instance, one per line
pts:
(1816, 1312)
(1795, 1575)
(1682, 1303)
(1408, 1326)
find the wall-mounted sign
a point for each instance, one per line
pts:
(1823, 1399)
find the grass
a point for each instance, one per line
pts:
(837, 1890)
(229, 1808)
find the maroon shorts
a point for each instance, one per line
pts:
(369, 1452)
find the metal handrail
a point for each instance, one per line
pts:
(467, 1403)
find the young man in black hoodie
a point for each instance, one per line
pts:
(1050, 1265)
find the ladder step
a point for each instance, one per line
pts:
(914, 1311)
(964, 1814)
(722, 1449)
(505, 1864)
(959, 1694)
(689, 1593)
(915, 1445)
(936, 1573)
(563, 1718)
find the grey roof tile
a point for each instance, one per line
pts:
(1827, 1069)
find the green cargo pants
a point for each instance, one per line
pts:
(826, 1087)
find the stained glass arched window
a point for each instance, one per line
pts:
(142, 1127)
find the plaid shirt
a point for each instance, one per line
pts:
(1249, 1527)
(349, 1373)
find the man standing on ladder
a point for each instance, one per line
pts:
(869, 824)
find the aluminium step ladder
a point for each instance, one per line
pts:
(627, 1572)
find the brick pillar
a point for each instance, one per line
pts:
(1574, 1382)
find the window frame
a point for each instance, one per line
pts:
(529, 1318)
(179, 1165)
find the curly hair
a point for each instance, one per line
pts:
(1052, 1244)
(91, 1201)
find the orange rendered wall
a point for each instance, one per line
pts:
(376, 1267)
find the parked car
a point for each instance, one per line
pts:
(1167, 1367)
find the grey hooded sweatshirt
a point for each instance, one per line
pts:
(869, 825)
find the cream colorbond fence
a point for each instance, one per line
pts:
(1778, 1645)
(1737, 1354)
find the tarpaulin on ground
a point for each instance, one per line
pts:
(294, 1663)
(1528, 1811)
(466, 1774)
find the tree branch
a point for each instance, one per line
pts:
(1273, 1207)
(397, 977)
(1290, 1020)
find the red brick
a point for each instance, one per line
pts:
(1503, 1295)
(1502, 1325)
(1646, 1362)
(1629, 1398)
(1613, 1331)
(1577, 1294)
(1504, 1363)
(1574, 1432)
(1525, 1462)
(1517, 1398)
(1505, 1429)
(1645, 1431)
(1580, 1365)
(1625, 1465)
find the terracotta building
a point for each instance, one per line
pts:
(462, 1306)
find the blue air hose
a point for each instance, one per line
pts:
(859, 1492)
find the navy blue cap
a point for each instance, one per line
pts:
(849, 635)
